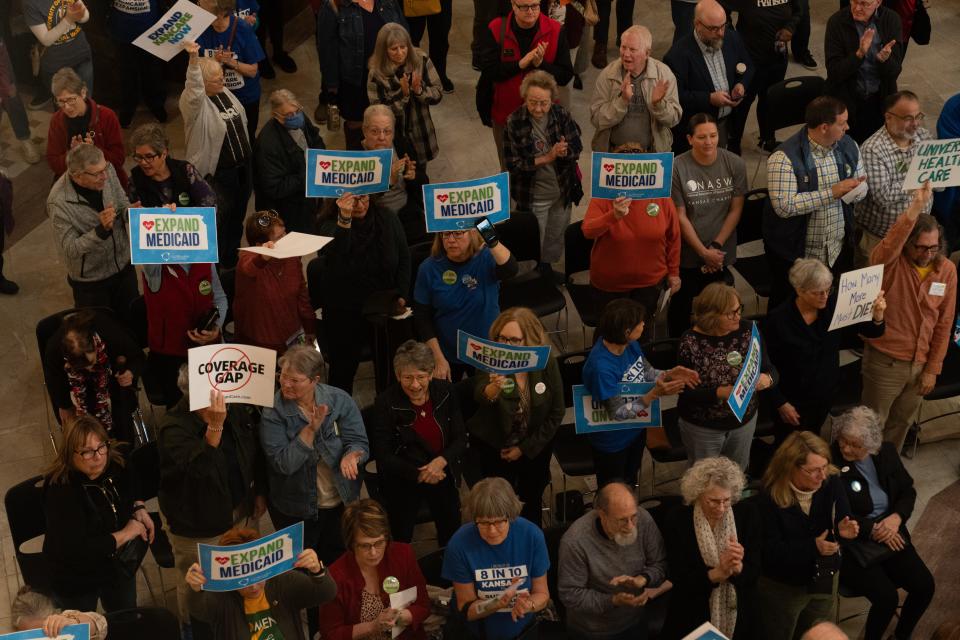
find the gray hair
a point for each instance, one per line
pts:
(82, 156)
(303, 359)
(809, 274)
(150, 135)
(712, 472)
(413, 355)
(640, 31)
(183, 380)
(375, 110)
(66, 79)
(280, 97)
(860, 423)
(493, 498)
(540, 80)
(209, 67)
(31, 605)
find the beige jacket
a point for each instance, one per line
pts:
(607, 107)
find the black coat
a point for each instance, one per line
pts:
(689, 602)
(279, 176)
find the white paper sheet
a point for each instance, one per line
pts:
(292, 245)
(402, 600)
(855, 193)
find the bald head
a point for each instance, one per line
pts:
(710, 23)
(710, 11)
(614, 497)
(824, 631)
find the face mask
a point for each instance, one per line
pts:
(294, 121)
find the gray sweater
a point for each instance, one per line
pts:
(589, 560)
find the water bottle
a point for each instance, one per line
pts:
(333, 118)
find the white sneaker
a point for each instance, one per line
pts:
(29, 151)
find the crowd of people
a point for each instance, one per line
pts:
(760, 543)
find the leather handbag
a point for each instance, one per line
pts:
(867, 553)
(417, 8)
(127, 558)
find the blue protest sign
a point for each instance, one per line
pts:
(495, 357)
(744, 387)
(706, 631)
(449, 206)
(956, 332)
(590, 416)
(185, 236)
(631, 175)
(241, 565)
(330, 174)
(70, 632)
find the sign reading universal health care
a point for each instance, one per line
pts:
(450, 206)
(631, 175)
(330, 174)
(183, 23)
(241, 565)
(495, 357)
(937, 161)
(185, 236)
(856, 292)
(240, 372)
(745, 386)
(590, 416)
(70, 632)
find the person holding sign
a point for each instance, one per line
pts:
(511, 433)
(160, 181)
(541, 146)
(805, 515)
(34, 610)
(458, 287)
(379, 124)
(373, 577)
(418, 439)
(498, 565)
(902, 366)
(807, 352)
(713, 550)
(615, 358)
(267, 609)
(716, 347)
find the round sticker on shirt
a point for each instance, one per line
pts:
(734, 359)
(183, 199)
(449, 277)
(653, 209)
(856, 486)
(205, 288)
(391, 584)
(844, 469)
(508, 386)
(540, 388)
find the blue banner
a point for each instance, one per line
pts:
(746, 384)
(494, 357)
(70, 632)
(591, 416)
(330, 174)
(241, 565)
(631, 175)
(185, 236)
(450, 206)
(706, 631)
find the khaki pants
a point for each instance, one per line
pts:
(861, 255)
(786, 611)
(890, 389)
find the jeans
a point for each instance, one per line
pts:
(402, 501)
(624, 19)
(529, 477)
(141, 74)
(120, 595)
(703, 442)
(622, 466)
(439, 26)
(552, 218)
(682, 14)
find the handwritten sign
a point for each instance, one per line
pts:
(590, 416)
(330, 174)
(937, 161)
(449, 206)
(495, 357)
(184, 22)
(185, 236)
(745, 386)
(706, 631)
(70, 632)
(237, 566)
(631, 175)
(856, 292)
(241, 372)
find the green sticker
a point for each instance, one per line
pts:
(183, 199)
(205, 288)
(508, 386)
(653, 209)
(391, 584)
(449, 277)
(734, 359)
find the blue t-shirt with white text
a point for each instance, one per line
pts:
(602, 374)
(129, 19)
(248, 50)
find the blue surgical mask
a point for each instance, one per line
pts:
(294, 121)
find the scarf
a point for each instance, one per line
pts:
(723, 598)
(90, 388)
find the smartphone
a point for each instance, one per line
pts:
(487, 232)
(208, 320)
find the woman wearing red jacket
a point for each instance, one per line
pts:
(80, 119)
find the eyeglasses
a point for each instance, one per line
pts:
(376, 132)
(368, 547)
(718, 502)
(529, 8)
(409, 378)
(102, 173)
(71, 100)
(267, 217)
(145, 157)
(909, 119)
(718, 29)
(735, 313)
(626, 521)
(452, 235)
(286, 377)
(926, 248)
(90, 454)
(538, 103)
(491, 524)
(517, 342)
(822, 293)
(815, 472)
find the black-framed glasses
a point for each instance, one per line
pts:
(909, 119)
(90, 454)
(713, 29)
(735, 312)
(927, 248)
(145, 157)
(455, 235)
(71, 100)
(529, 8)
(266, 218)
(517, 342)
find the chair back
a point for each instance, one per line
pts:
(660, 506)
(146, 464)
(137, 321)
(576, 250)
(24, 505)
(143, 623)
(431, 566)
(662, 354)
(787, 100)
(571, 372)
(750, 227)
(520, 233)
(552, 536)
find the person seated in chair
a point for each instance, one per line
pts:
(34, 610)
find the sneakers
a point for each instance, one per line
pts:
(446, 84)
(39, 102)
(8, 287)
(599, 58)
(266, 69)
(29, 151)
(285, 62)
(806, 60)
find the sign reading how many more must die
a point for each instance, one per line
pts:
(228, 568)
(185, 236)
(937, 161)
(856, 292)
(451, 206)
(240, 372)
(184, 22)
(70, 632)
(495, 357)
(590, 416)
(631, 175)
(330, 174)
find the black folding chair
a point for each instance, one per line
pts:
(25, 516)
(787, 100)
(142, 623)
(572, 451)
(576, 256)
(145, 461)
(754, 269)
(948, 386)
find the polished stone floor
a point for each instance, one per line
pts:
(467, 151)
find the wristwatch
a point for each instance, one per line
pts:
(715, 245)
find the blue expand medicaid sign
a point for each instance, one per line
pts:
(592, 417)
(631, 175)
(70, 632)
(330, 174)
(187, 235)
(241, 565)
(706, 631)
(449, 206)
(746, 384)
(495, 357)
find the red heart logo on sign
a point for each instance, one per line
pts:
(608, 167)
(324, 165)
(442, 197)
(222, 559)
(148, 224)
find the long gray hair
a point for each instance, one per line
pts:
(389, 35)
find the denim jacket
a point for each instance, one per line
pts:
(340, 40)
(292, 465)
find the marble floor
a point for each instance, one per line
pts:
(466, 151)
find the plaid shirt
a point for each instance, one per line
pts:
(886, 165)
(825, 226)
(519, 153)
(718, 70)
